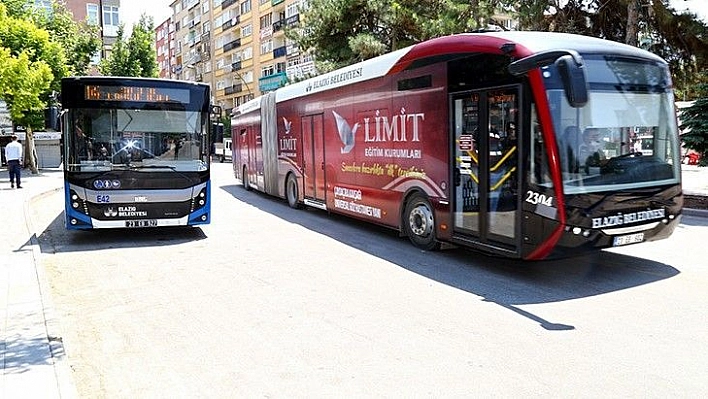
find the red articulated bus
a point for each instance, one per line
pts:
(519, 144)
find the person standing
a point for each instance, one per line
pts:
(13, 155)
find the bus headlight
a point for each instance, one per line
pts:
(199, 200)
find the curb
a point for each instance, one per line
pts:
(62, 370)
(701, 213)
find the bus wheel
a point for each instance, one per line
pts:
(419, 223)
(291, 192)
(244, 179)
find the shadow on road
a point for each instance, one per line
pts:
(51, 240)
(502, 281)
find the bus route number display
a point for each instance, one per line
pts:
(136, 94)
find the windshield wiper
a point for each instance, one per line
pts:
(134, 167)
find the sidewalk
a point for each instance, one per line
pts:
(32, 355)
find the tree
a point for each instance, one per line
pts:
(31, 67)
(340, 32)
(694, 120)
(80, 40)
(137, 57)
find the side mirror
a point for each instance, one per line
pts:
(570, 66)
(575, 84)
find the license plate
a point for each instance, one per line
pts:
(628, 239)
(141, 223)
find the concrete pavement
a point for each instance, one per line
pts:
(34, 364)
(32, 355)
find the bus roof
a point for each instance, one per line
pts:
(526, 43)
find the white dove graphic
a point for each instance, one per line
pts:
(288, 125)
(346, 133)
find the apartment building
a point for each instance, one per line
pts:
(164, 37)
(103, 13)
(237, 46)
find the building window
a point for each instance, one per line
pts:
(292, 9)
(266, 21)
(247, 30)
(247, 53)
(280, 67)
(110, 16)
(205, 7)
(267, 70)
(266, 47)
(92, 14)
(246, 6)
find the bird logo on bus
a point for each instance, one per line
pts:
(346, 133)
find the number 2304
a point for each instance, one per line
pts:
(537, 198)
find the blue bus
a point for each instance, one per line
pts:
(136, 152)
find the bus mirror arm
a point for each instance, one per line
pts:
(571, 68)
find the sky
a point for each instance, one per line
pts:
(131, 10)
(160, 10)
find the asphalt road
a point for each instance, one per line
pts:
(274, 302)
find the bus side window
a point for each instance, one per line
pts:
(539, 173)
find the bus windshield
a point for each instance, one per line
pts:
(102, 139)
(625, 136)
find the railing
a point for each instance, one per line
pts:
(279, 52)
(231, 22)
(233, 89)
(278, 25)
(292, 20)
(227, 3)
(232, 45)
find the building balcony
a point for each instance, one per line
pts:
(280, 52)
(227, 3)
(236, 66)
(278, 25)
(233, 89)
(231, 23)
(272, 82)
(292, 49)
(292, 20)
(232, 45)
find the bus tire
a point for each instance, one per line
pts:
(419, 223)
(292, 193)
(244, 179)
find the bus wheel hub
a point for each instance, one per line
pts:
(421, 221)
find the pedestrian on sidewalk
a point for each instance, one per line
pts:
(13, 155)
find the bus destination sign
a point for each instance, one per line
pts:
(136, 94)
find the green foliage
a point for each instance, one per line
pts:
(16, 8)
(341, 32)
(694, 120)
(79, 39)
(29, 64)
(137, 57)
(21, 82)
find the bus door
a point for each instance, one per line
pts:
(313, 157)
(485, 166)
